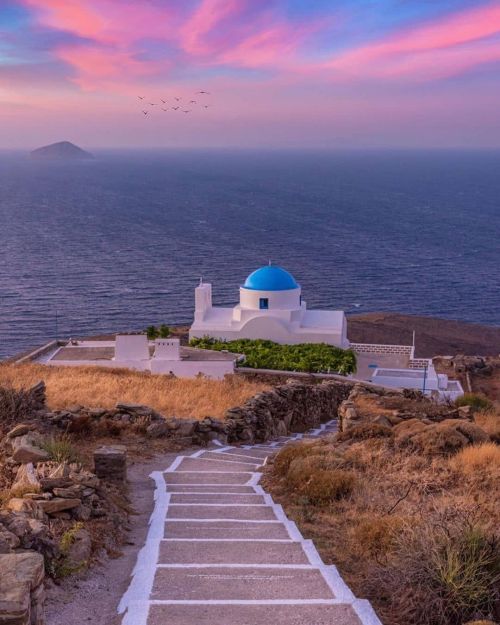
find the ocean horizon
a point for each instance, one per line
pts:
(120, 242)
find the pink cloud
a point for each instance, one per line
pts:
(107, 21)
(263, 48)
(205, 18)
(96, 66)
(444, 48)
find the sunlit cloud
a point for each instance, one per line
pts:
(310, 68)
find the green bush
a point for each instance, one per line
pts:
(152, 332)
(445, 571)
(164, 331)
(474, 400)
(61, 449)
(304, 357)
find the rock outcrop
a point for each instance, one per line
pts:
(412, 420)
(21, 589)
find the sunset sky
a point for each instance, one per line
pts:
(281, 73)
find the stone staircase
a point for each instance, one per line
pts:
(220, 552)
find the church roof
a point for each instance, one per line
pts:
(270, 278)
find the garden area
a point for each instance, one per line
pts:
(304, 357)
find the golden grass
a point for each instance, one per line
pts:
(103, 388)
(361, 499)
(489, 421)
(478, 460)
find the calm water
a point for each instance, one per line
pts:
(120, 242)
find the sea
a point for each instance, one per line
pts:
(120, 242)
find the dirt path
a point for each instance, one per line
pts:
(93, 598)
(219, 550)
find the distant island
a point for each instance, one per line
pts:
(63, 150)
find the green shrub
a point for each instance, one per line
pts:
(445, 571)
(474, 400)
(164, 331)
(61, 449)
(152, 332)
(304, 357)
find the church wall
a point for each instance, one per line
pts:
(278, 300)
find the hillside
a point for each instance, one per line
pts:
(433, 336)
(63, 150)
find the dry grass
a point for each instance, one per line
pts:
(413, 533)
(478, 461)
(103, 388)
(489, 421)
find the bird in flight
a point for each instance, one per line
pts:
(178, 99)
(152, 104)
(145, 112)
(164, 109)
(205, 106)
(164, 101)
(205, 92)
(174, 108)
(189, 111)
(141, 97)
(192, 102)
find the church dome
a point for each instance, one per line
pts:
(270, 278)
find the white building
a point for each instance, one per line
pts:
(271, 307)
(427, 380)
(134, 351)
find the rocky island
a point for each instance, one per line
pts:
(62, 150)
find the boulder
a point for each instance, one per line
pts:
(15, 603)
(26, 506)
(26, 477)
(17, 524)
(71, 492)
(157, 429)
(19, 430)
(82, 512)
(186, 427)
(25, 449)
(58, 505)
(49, 483)
(21, 588)
(8, 540)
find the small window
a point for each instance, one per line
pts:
(263, 303)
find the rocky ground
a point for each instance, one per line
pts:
(433, 336)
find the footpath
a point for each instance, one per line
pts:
(219, 551)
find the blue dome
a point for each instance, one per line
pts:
(270, 278)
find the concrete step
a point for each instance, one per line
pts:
(205, 583)
(222, 466)
(206, 477)
(218, 498)
(226, 530)
(296, 614)
(216, 489)
(200, 511)
(222, 457)
(232, 552)
(250, 453)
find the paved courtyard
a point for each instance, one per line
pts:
(220, 552)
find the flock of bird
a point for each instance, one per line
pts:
(178, 102)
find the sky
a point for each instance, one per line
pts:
(280, 73)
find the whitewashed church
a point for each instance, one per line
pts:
(271, 307)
